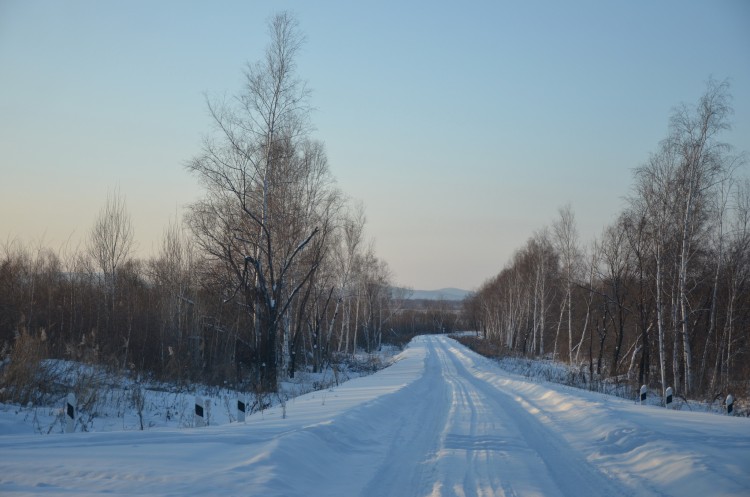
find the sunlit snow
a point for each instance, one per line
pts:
(440, 421)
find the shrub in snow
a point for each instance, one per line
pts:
(24, 377)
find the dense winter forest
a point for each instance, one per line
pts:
(662, 297)
(271, 271)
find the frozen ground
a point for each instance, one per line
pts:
(440, 421)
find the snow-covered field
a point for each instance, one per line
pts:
(440, 421)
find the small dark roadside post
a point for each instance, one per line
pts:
(241, 407)
(200, 414)
(70, 413)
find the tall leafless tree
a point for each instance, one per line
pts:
(111, 242)
(263, 179)
(655, 191)
(566, 240)
(703, 162)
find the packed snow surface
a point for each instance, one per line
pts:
(441, 421)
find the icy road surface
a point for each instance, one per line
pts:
(441, 421)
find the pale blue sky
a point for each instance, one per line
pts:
(462, 126)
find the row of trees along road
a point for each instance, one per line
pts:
(662, 296)
(269, 272)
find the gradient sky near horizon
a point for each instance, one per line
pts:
(461, 126)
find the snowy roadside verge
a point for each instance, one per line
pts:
(112, 402)
(546, 370)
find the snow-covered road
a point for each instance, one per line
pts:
(441, 421)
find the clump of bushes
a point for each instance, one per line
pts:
(24, 377)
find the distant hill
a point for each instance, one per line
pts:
(442, 294)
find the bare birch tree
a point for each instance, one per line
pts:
(566, 241)
(255, 216)
(655, 190)
(703, 163)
